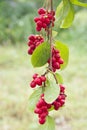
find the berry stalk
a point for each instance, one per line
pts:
(50, 36)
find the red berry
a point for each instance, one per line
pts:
(30, 43)
(32, 47)
(39, 24)
(30, 51)
(44, 25)
(53, 59)
(48, 106)
(62, 102)
(38, 81)
(62, 88)
(40, 111)
(44, 108)
(43, 115)
(42, 18)
(38, 105)
(56, 106)
(32, 37)
(41, 11)
(36, 19)
(63, 96)
(56, 65)
(57, 56)
(33, 84)
(50, 16)
(59, 97)
(35, 76)
(38, 43)
(61, 61)
(42, 121)
(43, 78)
(37, 111)
(38, 28)
(42, 102)
(47, 21)
(56, 51)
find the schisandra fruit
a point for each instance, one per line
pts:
(34, 41)
(43, 108)
(44, 19)
(37, 80)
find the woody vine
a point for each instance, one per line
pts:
(45, 50)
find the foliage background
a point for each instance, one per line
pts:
(16, 24)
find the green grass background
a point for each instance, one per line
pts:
(16, 72)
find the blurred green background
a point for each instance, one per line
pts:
(16, 24)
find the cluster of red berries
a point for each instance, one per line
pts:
(37, 80)
(60, 101)
(42, 109)
(56, 59)
(34, 41)
(44, 19)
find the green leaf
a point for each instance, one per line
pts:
(67, 21)
(64, 14)
(64, 52)
(76, 2)
(49, 125)
(33, 99)
(41, 55)
(51, 91)
(59, 78)
(59, 13)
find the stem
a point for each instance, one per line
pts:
(51, 3)
(46, 72)
(50, 36)
(54, 76)
(50, 40)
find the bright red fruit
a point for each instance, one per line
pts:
(42, 109)
(35, 76)
(56, 60)
(42, 120)
(43, 78)
(33, 84)
(34, 41)
(41, 11)
(37, 80)
(44, 19)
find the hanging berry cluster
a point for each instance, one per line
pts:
(42, 108)
(37, 80)
(34, 41)
(45, 50)
(44, 19)
(56, 59)
(51, 55)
